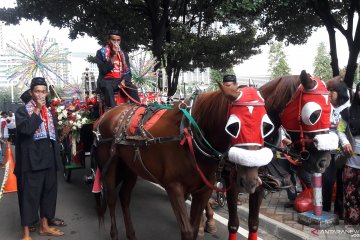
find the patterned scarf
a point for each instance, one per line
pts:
(46, 126)
(105, 51)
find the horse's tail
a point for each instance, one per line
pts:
(100, 198)
(101, 206)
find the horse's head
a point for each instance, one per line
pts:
(247, 125)
(307, 119)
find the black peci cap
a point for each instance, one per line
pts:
(229, 78)
(36, 81)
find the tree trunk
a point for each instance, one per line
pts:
(351, 66)
(333, 50)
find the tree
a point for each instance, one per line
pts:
(322, 63)
(277, 61)
(182, 34)
(294, 21)
(217, 76)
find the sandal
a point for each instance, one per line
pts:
(57, 222)
(26, 238)
(32, 228)
(51, 232)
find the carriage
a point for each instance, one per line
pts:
(75, 121)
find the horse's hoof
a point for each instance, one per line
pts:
(201, 232)
(210, 227)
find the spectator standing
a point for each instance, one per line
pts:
(340, 100)
(10, 122)
(37, 154)
(351, 174)
(4, 132)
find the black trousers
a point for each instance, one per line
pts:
(109, 86)
(37, 192)
(329, 177)
(295, 171)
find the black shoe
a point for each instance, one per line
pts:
(289, 204)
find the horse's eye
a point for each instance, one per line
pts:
(267, 126)
(233, 126)
(311, 113)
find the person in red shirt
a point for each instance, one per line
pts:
(114, 71)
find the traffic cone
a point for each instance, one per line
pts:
(7, 151)
(97, 183)
(10, 185)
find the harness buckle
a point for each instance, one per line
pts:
(183, 106)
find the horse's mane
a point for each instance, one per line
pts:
(210, 110)
(279, 91)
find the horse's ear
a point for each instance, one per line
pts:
(229, 92)
(306, 81)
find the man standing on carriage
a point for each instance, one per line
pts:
(114, 71)
(37, 154)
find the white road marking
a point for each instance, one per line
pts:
(217, 217)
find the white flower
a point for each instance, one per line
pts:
(74, 127)
(60, 116)
(71, 122)
(78, 116)
(84, 120)
(62, 107)
(60, 122)
(64, 112)
(58, 110)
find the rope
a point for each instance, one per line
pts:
(188, 138)
(128, 95)
(6, 175)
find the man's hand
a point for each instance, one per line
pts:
(40, 103)
(348, 149)
(114, 49)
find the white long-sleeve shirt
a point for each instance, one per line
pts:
(354, 160)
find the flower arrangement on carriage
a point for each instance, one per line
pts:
(72, 116)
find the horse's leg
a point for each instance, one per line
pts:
(125, 197)
(199, 201)
(210, 225)
(233, 224)
(255, 200)
(176, 197)
(110, 184)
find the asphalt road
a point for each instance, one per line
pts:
(152, 215)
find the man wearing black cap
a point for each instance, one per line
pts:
(114, 71)
(230, 81)
(37, 153)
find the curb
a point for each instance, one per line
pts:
(274, 227)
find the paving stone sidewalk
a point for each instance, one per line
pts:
(272, 208)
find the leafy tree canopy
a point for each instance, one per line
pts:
(277, 61)
(182, 34)
(294, 21)
(322, 63)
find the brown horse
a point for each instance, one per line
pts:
(172, 165)
(311, 140)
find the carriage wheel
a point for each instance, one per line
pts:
(66, 161)
(67, 174)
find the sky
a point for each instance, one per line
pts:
(299, 57)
